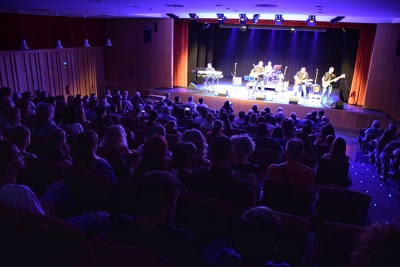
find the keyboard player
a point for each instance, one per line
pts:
(209, 68)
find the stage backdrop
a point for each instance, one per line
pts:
(224, 47)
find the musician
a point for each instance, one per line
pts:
(260, 72)
(209, 68)
(326, 86)
(269, 68)
(300, 78)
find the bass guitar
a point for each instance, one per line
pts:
(328, 82)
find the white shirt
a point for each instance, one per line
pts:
(192, 105)
(202, 105)
(20, 197)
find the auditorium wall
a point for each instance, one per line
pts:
(81, 69)
(139, 66)
(383, 87)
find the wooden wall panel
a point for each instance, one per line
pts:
(44, 69)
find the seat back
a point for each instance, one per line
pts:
(100, 129)
(237, 131)
(126, 196)
(332, 171)
(293, 241)
(114, 159)
(287, 197)
(90, 190)
(264, 158)
(114, 119)
(108, 253)
(129, 123)
(322, 150)
(336, 243)
(205, 217)
(341, 206)
(52, 242)
(309, 162)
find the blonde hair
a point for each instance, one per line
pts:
(114, 137)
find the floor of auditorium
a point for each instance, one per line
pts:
(385, 199)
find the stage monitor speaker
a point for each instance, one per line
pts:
(147, 35)
(293, 100)
(192, 86)
(260, 95)
(339, 105)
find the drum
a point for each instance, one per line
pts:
(316, 88)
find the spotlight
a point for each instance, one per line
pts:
(193, 17)
(337, 19)
(292, 29)
(311, 20)
(278, 19)
(242, 19)
(206, 25)
(256, 17)
(221, 18)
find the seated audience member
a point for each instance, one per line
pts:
(307, 128)
(209, 124)
(171, 127)
(201, 119)
(167, 100)
(308, 148)
(137, 97)
(101, 112)
(42, 98)
(166, 114)
(268, 119)
(280, 113)
(107, 94)
(393, 128)
(268, 110)
(374, 129)
(314, 118)
(113, 111)
(380, 144)
(216, 131)
(191, 104)
(152, 228)
(218, 181)
(70, 100)
(28, 97)
(90, 114)
(201, 103)
(254, 239)
(243, 147)
(239, 121)
(153, 158)
(57, 149)
(324, 120)
(254, 108)
(273, 121)
(321, 114)
(263, 141)
(197, 138)
(27, 116)
(246, 122)
(70, 119)
(52, 101)
(377, 246)
(224, 117)
(287, 127)
(153, 115)
(253, 118)
(308, 120)
(278, 134)
(296, 121)
(292, 170)
(228, 107)
(338, 150)
(13, 117)
(231, 119)
(44, 120)
(178, 101)
(115, 138)
(5, 102)
(182, 156)
(326, 130)
(21, 137)
(84, 155)
(58, 112)
(155, 130)
(329, 140)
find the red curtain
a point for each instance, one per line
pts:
(361, 69)
(181, 39)
(41, 32)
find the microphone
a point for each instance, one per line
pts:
(254, 65)
(235, 63)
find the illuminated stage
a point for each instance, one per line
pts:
(350, 117)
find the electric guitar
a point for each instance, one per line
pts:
(298, 81)
(328, 82)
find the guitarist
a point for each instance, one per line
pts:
(260, 72)
(300, 78)
(326, 85)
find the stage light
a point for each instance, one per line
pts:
(193, 17)
(292, 29)
(337, 19)
(311, 20)
(278, 19)
(243, 27)
(256, 17)
(242, 19)
(172, 16)
(221, 18)
(206, 25)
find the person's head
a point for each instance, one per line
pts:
(262, 129)
(60, 105)
(329, 140)
(201, 100)
(107, 92)
(303, 69)
(225, 118)
(326, 130)
(267, 110)
(6, 102)
(293, 116)
(393, 128)
(243, 146)
(338, 148)
(269, 63)
(11, 162)
(27, 95)
(190, 98)
(43, 95)
(100, 111)
(331, 69)
(70, 115)
(183, 154)
(314, 114)
(217, 127)
(325, 119)
(253, 118)
(221, 152)
(308, 116)
(21, 137)
(273, 121)
(387, 136)
(376, 124)
(241, 114)
(260, 63)
(250, 112)
(256, 235)
(113, 108)
(156, 130)
(55, 143)
(277, 132)
(153, 115)
(177, 98)
(246, 119)
(44, 114)
(70, 99)
(306, 141)
(307, 129)
(84, 149)
(51, 100)
(156, 195)
(114, 137)
(209, 65)
(260, 119)
(166, 110)
(294, 149)
(321, 113)
(267, 118)
(5, 91)
(231, 117)
(209, 117)
(254, 108)
(227, 105)
(13, 115)
(197, 138)
(378, 246)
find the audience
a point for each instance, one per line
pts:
(70, 119)
(374, 129)
(182, 157)
(191, 104)
(201, 103)
(13, 117)
(197, 138)
(263, 141)
(115, 139)
(57, 149)
(338, 150)
(209, 124)
(100, 116)
(21, 137)
(44, 120)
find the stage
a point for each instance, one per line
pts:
(350, 117)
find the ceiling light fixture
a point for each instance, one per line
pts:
(337, 19)
(311, 20)
(256, 17)
(292, 29)
(242, 19)
(193, 17)
(278, 19)
(221, 18)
